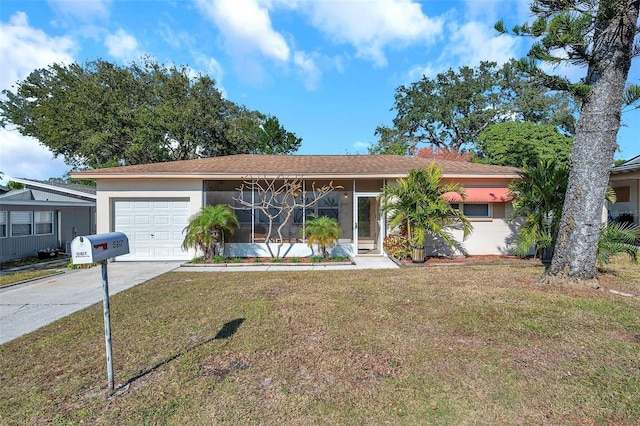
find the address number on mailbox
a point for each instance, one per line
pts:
(98, 247)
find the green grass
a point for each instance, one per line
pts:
(438, 345)
(16, 277)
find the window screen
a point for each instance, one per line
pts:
(44, 223)
(3, 224)
(21, 224)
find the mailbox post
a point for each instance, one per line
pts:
(100, 248)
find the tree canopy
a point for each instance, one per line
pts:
(452, 109)
(518, 144)
(600, 36)
(100, 114)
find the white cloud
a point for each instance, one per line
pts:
(361, 147)
(212, 68)
(373, 26)
(309, 70)
(24, 49)
(122, 46)
(474, 42)
(22, 156)
(82, 10)
(246, 27)
(514, 12)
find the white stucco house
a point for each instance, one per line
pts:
(152, 203)
(625, 181)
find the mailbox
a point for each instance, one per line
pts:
(99, 247)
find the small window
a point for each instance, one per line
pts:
(476, 210)
(21, 224)
(44, 223)
(623, 194)
(3, 224)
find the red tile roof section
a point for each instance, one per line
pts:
(334, 166)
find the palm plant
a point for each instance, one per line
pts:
(539, 198)
(323, 231)
(616, 238)
(418, 203)
(208, 229)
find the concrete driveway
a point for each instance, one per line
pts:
(27, 307)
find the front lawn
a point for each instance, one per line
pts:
(456, 345)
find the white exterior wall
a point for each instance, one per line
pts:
(110, 190)
(489, 236)
(493, 236)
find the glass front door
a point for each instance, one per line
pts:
(367, 225)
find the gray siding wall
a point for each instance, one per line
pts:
(43, 195)
(80, 219)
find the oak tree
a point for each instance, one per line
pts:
(452, 109)
(100, 114)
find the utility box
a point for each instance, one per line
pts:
(99, 247)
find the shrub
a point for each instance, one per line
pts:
(397, 246)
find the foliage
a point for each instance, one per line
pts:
(440, 153)
(277, 199)
(208, 229)
(397, 245)
(101, 114)
(539, 198)
(600, 36)
(450, 110)
(14, 185)
(71, 265)
(323, 231)
(618, 238)
(418, 202)
(518, 144)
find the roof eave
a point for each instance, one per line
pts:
(55, 188)
(271, 175)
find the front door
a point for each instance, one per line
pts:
(367, 224)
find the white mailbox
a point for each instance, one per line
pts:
(99, 247)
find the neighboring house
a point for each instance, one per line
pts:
(625, 181)
(152, 203)
(44, 215)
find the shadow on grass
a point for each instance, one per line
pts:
(228, 329)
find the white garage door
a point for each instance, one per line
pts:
(154, 227)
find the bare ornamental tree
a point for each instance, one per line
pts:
(277, 199)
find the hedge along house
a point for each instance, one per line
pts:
(152, 203)
(625, 181)
(44, 215)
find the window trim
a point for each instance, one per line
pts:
(37, 221)
(460, 206)
(13, 222)
(4, 216)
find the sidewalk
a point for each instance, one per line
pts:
(27, 307)
(361, 262)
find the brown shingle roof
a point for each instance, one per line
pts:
(332, 166)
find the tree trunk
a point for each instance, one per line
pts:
(594, 144)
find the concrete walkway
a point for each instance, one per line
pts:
(361, 262)
(26, 307)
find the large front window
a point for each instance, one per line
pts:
(328, 206)
(254, 220)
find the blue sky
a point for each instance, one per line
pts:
(327, 69)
